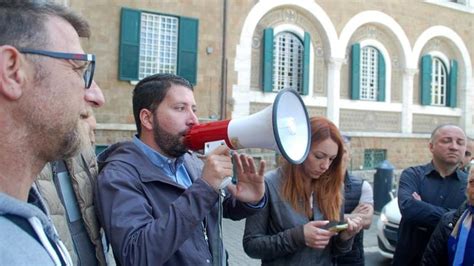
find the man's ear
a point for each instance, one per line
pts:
(12, 72)
(146, 119)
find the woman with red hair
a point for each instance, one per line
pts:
(292, 229)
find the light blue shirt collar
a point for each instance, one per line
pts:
(174, 168)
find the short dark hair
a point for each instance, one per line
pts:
(22, 22)
(150, 92)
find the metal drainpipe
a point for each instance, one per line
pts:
(223, 110)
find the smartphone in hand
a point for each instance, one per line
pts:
(336, 226)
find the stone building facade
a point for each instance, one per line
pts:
(395, 125)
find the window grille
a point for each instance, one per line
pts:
(373, 157)
(158, 44)
(287, 62)
(438, 82)
(368, 73)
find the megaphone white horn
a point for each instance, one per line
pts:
(283, 127)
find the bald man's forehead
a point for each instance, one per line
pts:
(450, 131)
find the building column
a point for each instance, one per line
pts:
(334, 89)
(407, 113)
(466, 102)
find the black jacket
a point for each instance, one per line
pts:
(436, 253)
(352, 194)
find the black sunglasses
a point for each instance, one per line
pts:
(88, 73)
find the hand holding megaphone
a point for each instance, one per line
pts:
(217, 166)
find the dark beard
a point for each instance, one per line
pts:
(170, 144)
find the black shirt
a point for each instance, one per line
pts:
(419, 218)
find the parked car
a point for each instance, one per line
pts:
(387, 228)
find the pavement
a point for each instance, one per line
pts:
(234, 230)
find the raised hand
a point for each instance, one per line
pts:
(250, 187)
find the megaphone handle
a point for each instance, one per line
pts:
(228, 179)
(225, 182)
(234, 170)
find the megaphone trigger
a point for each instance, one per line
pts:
(212, 145)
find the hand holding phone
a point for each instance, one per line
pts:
(338, 228)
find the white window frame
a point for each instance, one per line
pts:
(300, 33)
(439, 82)
(388, 68)
(368, 73)
(158, 44)
(288, 60)
(439, 90)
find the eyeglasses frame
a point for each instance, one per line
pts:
(68, 56)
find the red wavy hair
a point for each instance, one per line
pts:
(328, 187)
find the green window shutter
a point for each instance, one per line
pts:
(355, 72)
(425, 80)
(307, 46)
(267, 60)
(129, 54)
(188, 48)
(453, 84)
(381, 77)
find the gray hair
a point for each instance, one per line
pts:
(22, 22)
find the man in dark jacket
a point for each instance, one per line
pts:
(440, 251)
(158, 202)
(428, 191)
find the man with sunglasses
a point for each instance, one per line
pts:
(46, 89)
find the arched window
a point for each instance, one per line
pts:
(439, 82)
(368, 73)
(287, 62)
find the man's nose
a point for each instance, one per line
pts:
(94, 95)
(193, 119)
